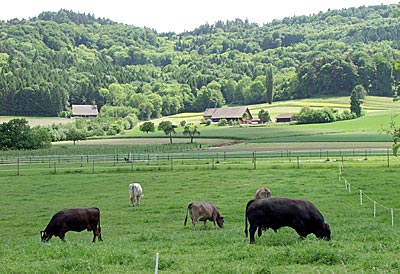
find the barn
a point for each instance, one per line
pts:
(241, 114)
(284, 118)
(84, 111)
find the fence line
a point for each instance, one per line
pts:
(362, 194)
(196, 159)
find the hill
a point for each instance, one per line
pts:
(61, 58)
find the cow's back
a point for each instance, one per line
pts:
(205, 209)
(279, 212)
(135, 189)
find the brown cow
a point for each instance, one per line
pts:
(203, 211)
(77, 219)
(299, 214)
(262, 193)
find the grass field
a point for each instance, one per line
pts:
(132, 236)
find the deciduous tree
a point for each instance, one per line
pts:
(147, 127)
(168, 129)
(191, 131)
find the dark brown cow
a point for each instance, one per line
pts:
(299, 214)
(77, 219)
(262, 193)
(203, 211)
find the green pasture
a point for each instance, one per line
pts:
(379, 112)
(132, 236)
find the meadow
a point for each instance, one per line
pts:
(133, 235)
(361, 243)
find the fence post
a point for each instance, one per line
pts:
(18, 166)
(360, 197)
(156, 268)
(212, 167)
(172, 163)
(298, 164)
(93, 166)
(392, 213)
(55, 168)
(255, 160)
(374, 209)
(388, 157)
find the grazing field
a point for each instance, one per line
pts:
(132, 236)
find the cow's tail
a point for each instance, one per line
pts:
(187, 210)
(245, 222)
(99, 227)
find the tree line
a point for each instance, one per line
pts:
(61, 58)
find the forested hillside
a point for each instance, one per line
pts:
(61, 58)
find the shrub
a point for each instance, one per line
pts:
(222, 122)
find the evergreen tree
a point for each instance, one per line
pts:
(269, 85)
(355, 104)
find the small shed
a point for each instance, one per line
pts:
(84, 111)
(284, 118)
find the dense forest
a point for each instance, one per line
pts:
(61, 58)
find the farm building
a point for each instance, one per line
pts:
(284, 118)
(241, 114)
(84, 111)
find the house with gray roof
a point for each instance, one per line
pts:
(84, 111)
(241, 114)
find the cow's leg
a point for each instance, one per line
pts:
(300, 228)
(205, 224)
(62, 234)
(252, 231)
(95, 233)
(194, 225)
(259, 231)
(139, 199)
(132, 201)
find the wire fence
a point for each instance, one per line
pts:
(200, 159)
(349, 187)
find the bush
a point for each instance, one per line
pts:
(326, 115)
(222, 122)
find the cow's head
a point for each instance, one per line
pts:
(324, 232)
(45, 236)
(327, 232)
(220, 221)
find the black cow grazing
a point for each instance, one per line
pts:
(203, 211)
(77, 219)
(299, 214)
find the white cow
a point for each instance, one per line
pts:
(135, 193)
